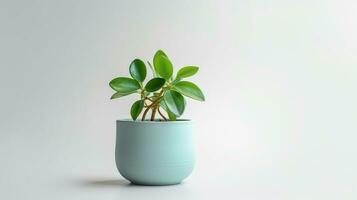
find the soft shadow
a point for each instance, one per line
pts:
(105, 183)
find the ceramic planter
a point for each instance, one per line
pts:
(153, 152)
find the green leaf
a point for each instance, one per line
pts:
(188, 71)
(172, 117)
(124, 85)
(190, 90)
(160, 53)
(154, 84)
(118, 95)
(162, 65)
(175, 102)
(136, 109)
(138, 70)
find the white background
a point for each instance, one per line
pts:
(280, 79)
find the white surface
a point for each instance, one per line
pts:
(279, 76)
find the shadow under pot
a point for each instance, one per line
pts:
(154, 152)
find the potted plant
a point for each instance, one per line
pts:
(157, 148)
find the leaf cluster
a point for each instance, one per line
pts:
(163, 91)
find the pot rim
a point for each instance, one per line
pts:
(155, 122)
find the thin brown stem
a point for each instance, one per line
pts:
(153, 104)
(147, 98)
(153, 113)
(145, 112)
(163, 116)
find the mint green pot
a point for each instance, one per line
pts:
(154, 152)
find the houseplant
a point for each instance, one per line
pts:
(157, 148)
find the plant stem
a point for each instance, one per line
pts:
(147, 98)
(153, 104)
(145, 112)
(163, 116)
(153, 113)
(152, 69)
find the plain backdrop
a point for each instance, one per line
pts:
(280, 79)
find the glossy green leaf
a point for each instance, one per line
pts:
(154, 84)
(162, 65)
(172, 117)
(175, 102)
(138, 70)
(136, 109)
(124, 85)
(160, 53)
(188, 71)
(190, 90)
(118, 95)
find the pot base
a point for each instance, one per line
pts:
(154, 184)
